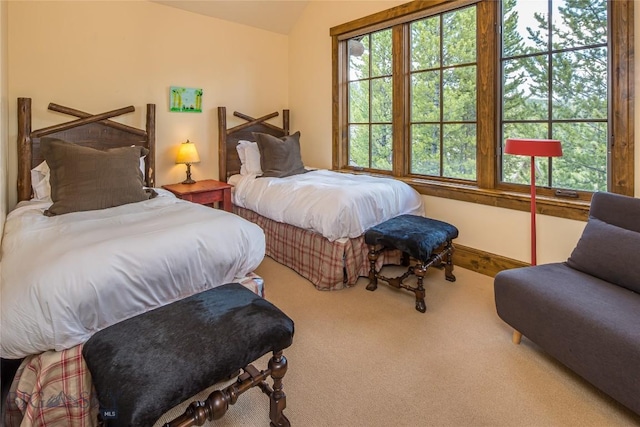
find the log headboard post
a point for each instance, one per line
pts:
(285, 121)
(222, 144)
(24, 149)
(150, 161)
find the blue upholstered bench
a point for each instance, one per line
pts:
(150, 363)
(424, 239)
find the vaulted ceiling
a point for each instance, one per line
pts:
(273, 15)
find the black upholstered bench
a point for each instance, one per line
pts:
(150, 363)
(424, 239)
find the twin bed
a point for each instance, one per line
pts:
(65, 277)
(313, 222)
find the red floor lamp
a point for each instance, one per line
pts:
(534, 148)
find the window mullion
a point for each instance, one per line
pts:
(399, 117)
(488, 88)
(621, 174)
(369, 81)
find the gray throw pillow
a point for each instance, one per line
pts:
(84, 179)
(609, 253)
(279, 157)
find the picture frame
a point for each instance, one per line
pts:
(185, 99)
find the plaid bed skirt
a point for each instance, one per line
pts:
(328, 265)
(54, 388)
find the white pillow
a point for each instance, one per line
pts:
(40, 180)
(249, 158)
(243, 158)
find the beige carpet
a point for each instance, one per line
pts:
(363, 358)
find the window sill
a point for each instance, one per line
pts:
(552, 206)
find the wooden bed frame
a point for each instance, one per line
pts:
(228, 160)
(91, 130)
(328, 265)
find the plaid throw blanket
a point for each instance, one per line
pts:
(52, 388)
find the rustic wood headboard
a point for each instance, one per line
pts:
(228, 160)
(91, 130)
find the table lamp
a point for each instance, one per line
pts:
(188, 154)
(533, 148)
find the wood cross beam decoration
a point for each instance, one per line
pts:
(228, 160)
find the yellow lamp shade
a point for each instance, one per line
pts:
(187, 153)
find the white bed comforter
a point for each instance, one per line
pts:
(64, 278)
(333, 204)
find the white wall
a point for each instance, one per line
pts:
(100, 56)
(500, 231)
(4, 115)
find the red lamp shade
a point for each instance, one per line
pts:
(533, 147)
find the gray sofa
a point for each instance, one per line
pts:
(585, 312)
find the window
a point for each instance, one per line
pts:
(443, 73)
(554, 85)
(370, 101)
(428, 94)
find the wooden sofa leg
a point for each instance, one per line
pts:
(517, 337)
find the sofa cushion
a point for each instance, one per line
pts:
(616, 209)
(610, 253)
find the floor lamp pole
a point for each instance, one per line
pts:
(533, 148)
(533, 210)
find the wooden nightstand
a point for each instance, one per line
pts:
(204, 192)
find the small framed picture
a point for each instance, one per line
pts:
(185, 99)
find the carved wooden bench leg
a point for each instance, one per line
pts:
(278, 399)
(218, 402)
(373, 273)
(406, 259)
(448, 264)
(420, 271)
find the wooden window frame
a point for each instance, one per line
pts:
(487, 190)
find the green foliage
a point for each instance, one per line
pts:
(425, 44)
(425, 150)
(425, 96)
(458, 37)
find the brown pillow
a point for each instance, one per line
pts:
(609, 253)
(279, 157)
(84, 179)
